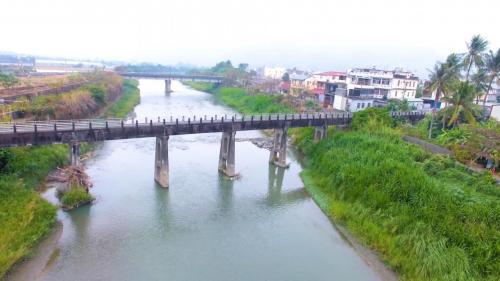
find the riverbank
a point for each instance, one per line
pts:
(426, 216)
(26, 218)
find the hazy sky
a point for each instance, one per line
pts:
(312, 34)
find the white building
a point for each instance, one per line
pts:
(372, 82)
(352, 103)
(404, 86)
(494, 93)
(274, 72)
(369, 82)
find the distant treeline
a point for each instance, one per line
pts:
(152, 68)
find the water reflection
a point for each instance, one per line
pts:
(163, 211)
(225, 191)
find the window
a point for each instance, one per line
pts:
(362, 105)
(399, 81)
(358, 105)
(368, 105)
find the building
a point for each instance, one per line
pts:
(404, 85)
(369, 82)
(353, 103)
(494, 93)
(297, 85)
(274, 72)
(325, 85)
(381, 84)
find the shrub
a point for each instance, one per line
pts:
(371, 118)
(75, 197)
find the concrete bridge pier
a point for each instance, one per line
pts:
(320, 133)
(161, 161)
(168, 86)
(226, 156)
(74, 153)
(278, 151)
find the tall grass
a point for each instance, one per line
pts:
(429, 218)
(25, 217)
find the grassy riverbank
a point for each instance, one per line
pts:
(426, 215)
(238, 99)
(25, 218)
(129, 99)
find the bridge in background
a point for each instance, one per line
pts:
(73, 132)
(169, 77)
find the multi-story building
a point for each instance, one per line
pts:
(404, 85)
(364, 86)
(372, 82)
(325, 85)
(369, 82)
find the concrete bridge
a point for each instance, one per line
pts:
(75, 131)
(169, 77)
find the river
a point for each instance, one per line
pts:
(263, 226)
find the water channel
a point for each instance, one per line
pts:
(262, 226)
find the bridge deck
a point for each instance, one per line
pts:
(208, 78)
(89, 130)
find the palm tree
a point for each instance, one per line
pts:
(462, 102)
(480, 81)
(492, 65)
(437, 79)
(474, 55)
(441, 80)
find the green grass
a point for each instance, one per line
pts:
(201, 86)
(75, 197)
(25, 217)
(129, 99)
(428, 217)
(240, 100)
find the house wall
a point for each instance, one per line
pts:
(358, 105)
(340, 102)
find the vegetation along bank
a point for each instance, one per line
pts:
(26, 218)
(427, 216)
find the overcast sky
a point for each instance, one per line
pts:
(311, 34)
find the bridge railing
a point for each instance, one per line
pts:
(84, 124)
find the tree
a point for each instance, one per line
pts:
(243, 66)
(480, 81)
(492, 65)
(474, 56)
(222, 67)
(8, 80)
(286, 77)
(441, 79)
(462, 102)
